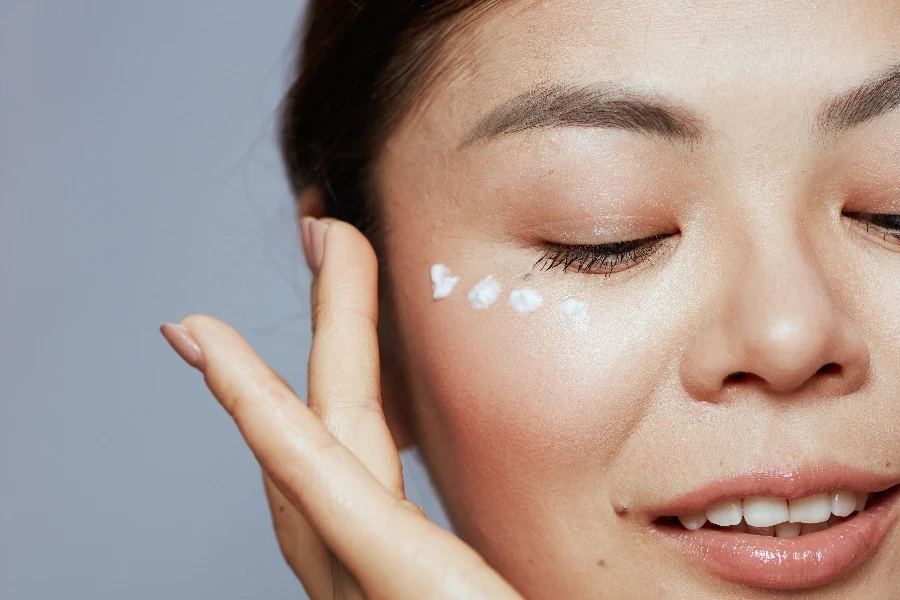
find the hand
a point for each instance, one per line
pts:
(331, 470)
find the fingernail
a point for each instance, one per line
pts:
(185, 345)
(316, 244)
(304, 234)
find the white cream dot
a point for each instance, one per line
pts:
(441, 281)
(484, 293)
(525, 300)
(571, 307)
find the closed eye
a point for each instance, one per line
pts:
(600, 258)
(887, 225)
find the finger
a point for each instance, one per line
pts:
(344, 386)
(386, 467)
(352, 414)
(301, 547)
(322, 575)
(370, 531)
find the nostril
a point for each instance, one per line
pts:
(738, 376)
(830, 368)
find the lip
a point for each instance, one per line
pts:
(785, 563)
(789, 484)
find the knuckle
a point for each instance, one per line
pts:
(357, 406)
(351, 415)
(346, 304)
(232, 400)
(275, 390)
(240, 405)
(325, 448)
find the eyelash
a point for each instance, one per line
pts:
(599, 256)
(870, 219)
(632, 252)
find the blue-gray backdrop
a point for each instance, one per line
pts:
(139, 182)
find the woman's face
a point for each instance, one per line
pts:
(749, 350)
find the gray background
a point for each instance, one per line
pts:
(139, 182)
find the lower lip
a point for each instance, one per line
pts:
(789, 563)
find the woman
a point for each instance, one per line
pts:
(637, 276)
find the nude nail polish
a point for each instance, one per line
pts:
(304, 234)
(316, 244)
(185, 345)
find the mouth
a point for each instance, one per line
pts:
(784, 529)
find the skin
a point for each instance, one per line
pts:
(539, 431)
(535, 429)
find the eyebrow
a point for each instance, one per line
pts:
(873, 98)
(608, 106)
(594, 105)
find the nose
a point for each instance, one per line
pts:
(775, 322)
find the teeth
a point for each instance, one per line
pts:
(693, 522)
(762, 515)
(760, 511)
(812, 509)
(725, 513)
(806, 528)
(788, 530)
(843, 503)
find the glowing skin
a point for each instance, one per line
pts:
(554, 446)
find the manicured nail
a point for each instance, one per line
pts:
(316, 244)
(185, 345)
(304, 234)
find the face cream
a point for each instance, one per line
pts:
(525, 300)
(571, 307)
(484, 293)
(441, 281)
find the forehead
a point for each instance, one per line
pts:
(735, 62)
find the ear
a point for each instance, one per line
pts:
(311, 203)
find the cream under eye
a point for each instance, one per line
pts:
(599, 258)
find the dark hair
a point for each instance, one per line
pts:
(360, 67)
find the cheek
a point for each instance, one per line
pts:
(527, 390)
(522, 418)
(528, 401)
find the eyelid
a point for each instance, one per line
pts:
(601, 258)
(578, 230)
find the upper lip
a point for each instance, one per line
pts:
(777, 482)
